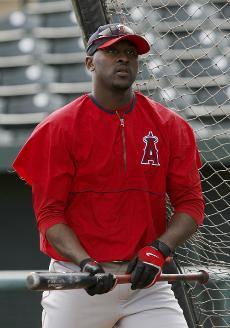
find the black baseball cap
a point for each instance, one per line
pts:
(107, 35)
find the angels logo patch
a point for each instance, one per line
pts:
(150, 155)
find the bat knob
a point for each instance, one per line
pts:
(204, 277)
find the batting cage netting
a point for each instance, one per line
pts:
(188, 70)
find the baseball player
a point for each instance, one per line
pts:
(100, 169)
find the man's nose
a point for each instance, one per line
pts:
(123, 57)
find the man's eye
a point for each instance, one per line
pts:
(115, 52)
(132, 52)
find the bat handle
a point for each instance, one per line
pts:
(123, 279)
(202, 276)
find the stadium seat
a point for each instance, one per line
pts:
(183, 40)
(187, 12)
(2, 104)
(168, 96)
(175, 98)
(70, 97)
(158, 68)
(26, 74)
(6, 137)
(143, 17)
(66, 45)
(13, 21)
(56, 20)
(212, 96)
(25, 45)
(153, 94)
(196, 39)
(14, 76)
(222, 9)
(49, 0)
(143, 73)
(18, 21)
(174, 13)
(204, 67)
(72, 73)
(41, 102)
(158, 43)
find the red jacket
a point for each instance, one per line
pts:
(108, 180)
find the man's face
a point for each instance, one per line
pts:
(114, 67)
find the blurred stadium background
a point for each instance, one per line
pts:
(188, 70)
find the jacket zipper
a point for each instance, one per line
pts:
(122, 124)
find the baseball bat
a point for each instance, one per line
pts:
(90, 15)
(73, 280)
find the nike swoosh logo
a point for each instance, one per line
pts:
(151, 254)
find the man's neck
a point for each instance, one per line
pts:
(112, 100)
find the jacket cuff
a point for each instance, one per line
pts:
(47, 223)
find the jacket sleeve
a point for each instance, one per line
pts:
(183, 180)
(46, 164)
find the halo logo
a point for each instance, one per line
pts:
(150, 152)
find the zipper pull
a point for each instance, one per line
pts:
(122, 120)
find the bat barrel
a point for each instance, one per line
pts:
(59, 281)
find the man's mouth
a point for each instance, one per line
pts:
(122, 71)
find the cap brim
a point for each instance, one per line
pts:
(140, 43)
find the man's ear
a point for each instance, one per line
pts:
(89, 63)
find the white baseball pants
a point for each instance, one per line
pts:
(154, 307)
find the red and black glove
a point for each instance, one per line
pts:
(106, 282)
(146, 267)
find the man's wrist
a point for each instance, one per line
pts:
(162, 247)
(85, 261)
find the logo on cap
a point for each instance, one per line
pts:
(115, 30)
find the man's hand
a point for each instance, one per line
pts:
(106, 283)
(146, 267)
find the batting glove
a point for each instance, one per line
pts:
(105, 282)
(146, 267)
